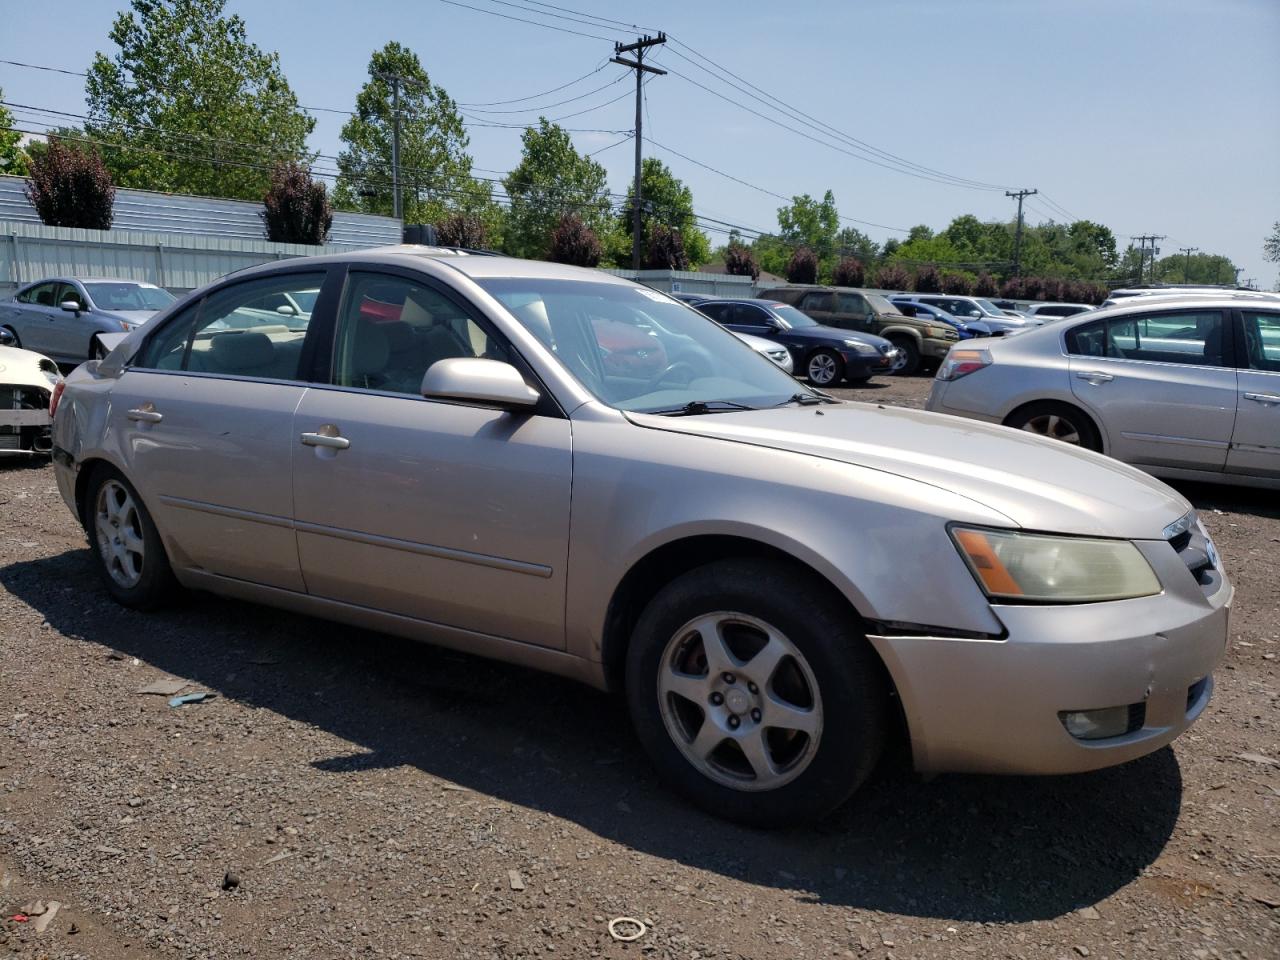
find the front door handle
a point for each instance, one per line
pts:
(1267, 398)
(325, 440)
(1095, 376)
(145, 414)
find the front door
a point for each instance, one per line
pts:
(1255, 445)
(1162, 384)
(203, 421)
(445, 512)
(69, 333)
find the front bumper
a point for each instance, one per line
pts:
(859, 366)
(937, 349)
(992, 706)
(25, 430)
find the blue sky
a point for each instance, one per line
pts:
(1151, 116)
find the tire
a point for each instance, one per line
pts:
(911, 357)
(824, 368)
(17, 341)
(1061, 421)
(96, 350)
(126, 546)
(828, 680)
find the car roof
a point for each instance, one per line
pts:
(764, 301)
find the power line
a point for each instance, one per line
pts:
(616, 143)
(545, 26)
(537, 96)
(36, 66)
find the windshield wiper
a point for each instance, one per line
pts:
(697, 407)
(808, 399)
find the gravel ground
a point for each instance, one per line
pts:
(371, 797)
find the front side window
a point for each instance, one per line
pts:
(233, 333)
(1262, 340)
(703, 362)
(68, 291)
(391, 330)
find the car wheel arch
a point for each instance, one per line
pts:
(1088, 416)
(672, 559)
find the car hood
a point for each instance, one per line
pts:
(137, 317)
(838, 335)
(25, 367)
(1039, 484)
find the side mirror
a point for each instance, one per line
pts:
(285, 310)
(475, 380)
(71, 306)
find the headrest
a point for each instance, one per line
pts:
(242, 351)
(370, 351)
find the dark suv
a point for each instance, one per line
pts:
(823, 354)
(923, 344)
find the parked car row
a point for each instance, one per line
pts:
(65, 318)
(567, 470)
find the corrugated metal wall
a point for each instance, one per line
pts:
(202, 216)
(687, 281)
(176, 261)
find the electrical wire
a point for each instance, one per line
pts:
(537, 96)
(545, 26)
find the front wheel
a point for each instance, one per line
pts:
(96, 350)
(824, 368)
(753, 694)
(909, 357)
(126, 544)
(9, 338)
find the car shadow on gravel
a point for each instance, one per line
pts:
(1208, 497)
(956, 848)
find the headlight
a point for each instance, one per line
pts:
(1031, 566)
(937, 333)
(125, 325)
(857, 346)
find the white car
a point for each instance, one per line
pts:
(776, 352)
(27, 380)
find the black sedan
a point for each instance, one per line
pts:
(826, 355)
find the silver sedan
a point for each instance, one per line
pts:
(72, 319)
(433, 444)
(1183, 388)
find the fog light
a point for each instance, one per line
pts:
(1097, 724)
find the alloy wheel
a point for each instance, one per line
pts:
(119, 534)
(822, 369)
(740, 701)
(1054, 426)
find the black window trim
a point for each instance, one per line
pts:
(1241, 344)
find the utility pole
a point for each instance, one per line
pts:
(1017, 237)
(1142, 253)
(395, 79)
(638, 65)
(1186, 271)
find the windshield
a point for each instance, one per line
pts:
(795, 319)
(128, 296)
(638, 350)
(987, 307)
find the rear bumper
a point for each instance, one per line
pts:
(992, 706)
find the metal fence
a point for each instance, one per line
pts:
(177, 262)
(174, 213)
(687, 281)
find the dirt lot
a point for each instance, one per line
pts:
(376, 798)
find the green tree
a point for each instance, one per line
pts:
(552, 179)
(806, 222)
(852, 242)
(666, 201)
(13, 159)
(1271, 245)
(1204, 268)
(435, 167)
(188, 104)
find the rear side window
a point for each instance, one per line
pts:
(41, 294)
(719, 312)
(251, 329)
(816, 301)
(1193, 337)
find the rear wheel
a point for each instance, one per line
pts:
(1059, 421)
(753, 694)
(824, 368)
(909, 361)
(126, 545)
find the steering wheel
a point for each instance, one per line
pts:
(671, 368)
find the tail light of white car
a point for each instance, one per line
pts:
(961, 363)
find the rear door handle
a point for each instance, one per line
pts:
(1095, 376)
(1267, 398)
(325, 440)
(147, 414)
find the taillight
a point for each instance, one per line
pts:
(961, 363)
(56, 396)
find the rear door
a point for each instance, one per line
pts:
(203, 420)
(31, 316)
(821, 305)
(1161, 385)
(1255, 445)
(451, 513)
